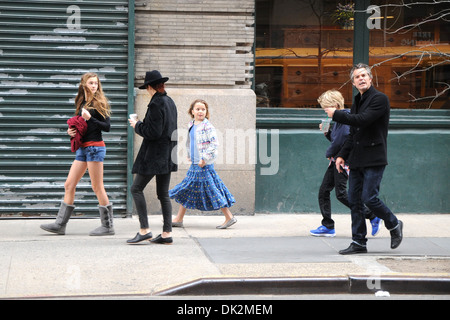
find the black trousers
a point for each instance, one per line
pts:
(364, 188)
(162, 191)
(333, 179)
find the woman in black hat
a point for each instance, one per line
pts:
(155, 156)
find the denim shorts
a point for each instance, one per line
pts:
(90, 154)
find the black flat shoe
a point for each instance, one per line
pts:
(354, 248)
(139, 238)
(397, 235)
(159, 239)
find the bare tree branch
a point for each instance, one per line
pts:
(437, 95)
(430, 18)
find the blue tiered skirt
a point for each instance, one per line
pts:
(202, 189)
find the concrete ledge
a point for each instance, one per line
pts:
(311, 285)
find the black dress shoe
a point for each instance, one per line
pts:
(159, 239)
(139, 237)
(397, 235)
(354, 248)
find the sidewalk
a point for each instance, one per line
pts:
(260, 254)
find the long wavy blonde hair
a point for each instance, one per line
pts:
(97, 101)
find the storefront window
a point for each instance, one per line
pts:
(410, 48)
(305, 47)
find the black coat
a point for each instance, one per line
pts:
(159, 132)
(366, 145)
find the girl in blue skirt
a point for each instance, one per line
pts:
(202, 189)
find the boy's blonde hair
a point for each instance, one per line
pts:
(331, 98)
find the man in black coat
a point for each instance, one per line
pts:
(365, 151)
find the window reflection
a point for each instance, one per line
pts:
(304, 48)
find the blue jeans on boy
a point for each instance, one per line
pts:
(364, 186)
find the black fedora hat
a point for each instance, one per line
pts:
(153, 77)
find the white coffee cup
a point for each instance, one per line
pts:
(326, 125)
(134, 116)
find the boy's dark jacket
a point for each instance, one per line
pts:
(366, 145)
(337, 136)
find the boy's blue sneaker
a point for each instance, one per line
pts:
(376, 223)
(323, 231)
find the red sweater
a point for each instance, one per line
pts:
(80, 125)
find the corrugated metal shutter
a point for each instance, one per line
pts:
(45, 48)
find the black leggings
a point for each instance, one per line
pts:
(162, 191)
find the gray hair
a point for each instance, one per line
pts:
(360, 66)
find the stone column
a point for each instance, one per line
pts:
(233, 114)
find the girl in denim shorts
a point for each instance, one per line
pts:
(92, 107)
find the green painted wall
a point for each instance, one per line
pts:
(415, 181)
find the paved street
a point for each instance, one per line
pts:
(265, 254)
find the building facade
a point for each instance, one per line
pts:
(304, 48)
(206, 50)
(260, 64)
